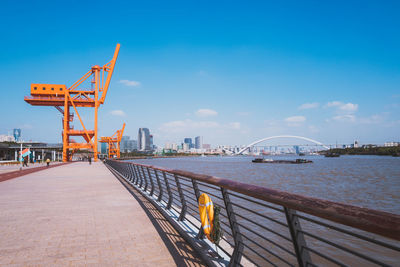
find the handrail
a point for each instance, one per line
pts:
(262, 216)
(374, 221)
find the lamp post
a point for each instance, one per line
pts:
(20, 157)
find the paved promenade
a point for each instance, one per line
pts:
(81, 215)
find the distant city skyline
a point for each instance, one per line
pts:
(329, 70)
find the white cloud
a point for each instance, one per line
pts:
(205, 113)
(344, 118)
(333, 104)
(118, 113)
(350, 107)
(295, 121)
(130, 83)
(309, 106)
(344, 107)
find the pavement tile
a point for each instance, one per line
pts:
(78, 215)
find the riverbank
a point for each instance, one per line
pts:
(378, 151)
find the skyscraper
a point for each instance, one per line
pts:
(188, 141)
(128, 145)
(198, 142)
(144, 139)
(151, 142)
(103, 148)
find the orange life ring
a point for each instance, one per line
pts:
(206, 210)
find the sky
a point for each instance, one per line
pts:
(230, 71)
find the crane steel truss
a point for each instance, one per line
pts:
(58, 95)
(113, 142)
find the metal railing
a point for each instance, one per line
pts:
(268, 227)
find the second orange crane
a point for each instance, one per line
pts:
(114, 142)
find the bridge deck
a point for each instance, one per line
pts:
(80, 214)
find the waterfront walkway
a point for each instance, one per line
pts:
(81, 215)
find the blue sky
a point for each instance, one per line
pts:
(231, 71)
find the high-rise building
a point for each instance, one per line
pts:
(144, 139)
(103, 148)
(151, 142)
(124, 144)
(198, 142)
(127, 145)
(17, 134)
(186, 147)
(188, 141)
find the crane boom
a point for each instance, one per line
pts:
(121, 132)
(109, 67)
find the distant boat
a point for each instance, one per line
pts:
(301, 154)
(297, 161)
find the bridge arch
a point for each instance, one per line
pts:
(282, 136)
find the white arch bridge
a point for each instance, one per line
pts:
(282, 136)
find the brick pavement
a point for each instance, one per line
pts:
(81, 215)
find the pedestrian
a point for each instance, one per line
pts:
(48, 162)
(25, 162)
(90, 160)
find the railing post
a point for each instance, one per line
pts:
(130, 173)
(145, 180)
(140, 175)
(299, 242)
(170, 196)
(123, 171)
(237, 237)
(182, 197)
(159, 186)
(200, 234)
(126, 170)
(151, 182)
(137, 175)
(133, 173)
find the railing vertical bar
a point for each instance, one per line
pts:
(131, 174)
(200, 234)
(170, 197)
(136, 174)
(159, 186)
(182, 197)
(145, 180)
(151, 182)
(140, 175)
(238, 250)
(299, 242)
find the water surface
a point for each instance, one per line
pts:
(366, 181)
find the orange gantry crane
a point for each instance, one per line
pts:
(58, 95)
(113, 142)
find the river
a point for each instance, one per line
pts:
(365, 181)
